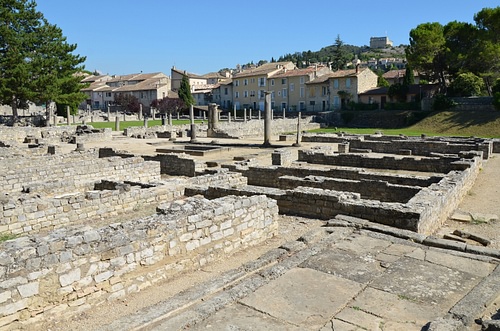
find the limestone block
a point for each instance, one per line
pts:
(70, 277)
(99, 278)
(28, 290)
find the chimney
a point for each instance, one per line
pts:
(357, 68)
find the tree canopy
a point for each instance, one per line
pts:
(443, 53)
(36, 62)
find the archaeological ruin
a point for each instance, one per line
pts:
(84, 222)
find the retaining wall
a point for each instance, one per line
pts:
(69, 271)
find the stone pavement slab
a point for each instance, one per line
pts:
(304, 297)
(348, 280)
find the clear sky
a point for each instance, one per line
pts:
(199, 36)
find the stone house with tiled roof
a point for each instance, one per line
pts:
(223, 94)
(289, 90)
(250, 85)
(398, 76)
(145, 87)
(340, 87)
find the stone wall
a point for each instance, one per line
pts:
(256, 127)
(51, 135)
(67, 271)
(171, 130)
(431, 164)
(65, 173)
(30, 213)
(170, 164)
(397, 144)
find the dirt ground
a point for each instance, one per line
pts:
(484, 198)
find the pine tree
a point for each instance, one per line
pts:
(36, 62)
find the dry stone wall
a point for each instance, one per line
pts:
(67, 271)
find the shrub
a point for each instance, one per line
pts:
(442, 102)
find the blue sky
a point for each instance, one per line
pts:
(130, 36)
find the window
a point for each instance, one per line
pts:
(302, 106)
(292, 87)
(108, 94)
(347, 82)
(245, 82)
(261, 94)
(284, 93)
(324, 90)
(236, 94)
(225, 91)
(236, 83)
(273, 95)
(302, 92)
(245, 94)
(262, 81)
(252, 93)
(283, 81)
(335, 83)
(272, 82)
(302, 80)
(252, 80)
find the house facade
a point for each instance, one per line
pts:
(250, 85)
(145, 87)
(335, 90)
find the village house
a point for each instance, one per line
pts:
(250, 85)
(397, 76)
(335, 90)
(145, 87)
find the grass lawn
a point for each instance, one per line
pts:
(446, 123)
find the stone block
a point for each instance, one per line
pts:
(70, 277)
(28, 290)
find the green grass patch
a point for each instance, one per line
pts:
(5, 237)
(485, 124)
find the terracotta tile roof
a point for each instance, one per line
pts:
(296, 72)
(337, 74)
(184, 72)
(263, 69)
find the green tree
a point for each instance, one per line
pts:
(427, 51)
(409, 79)
(382, 82)
(398, 91)
(185, 92)
(128, 101)
(467, 85)
(340, 56)
(36, 62)
(496, 94)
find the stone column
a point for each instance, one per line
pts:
(299, 138)
(109, 113)
(153, 113)
(74, 119)
(250, 114)
(284, 113)
(193, 126)
(124, 117)
(140, 111)
(244, 115)
(117, 123)
(234, 112)
(170, 118)
(145, 121)
(213, 119)
(267, 119)
(178, 116)
(55, 119)
(68, 115)
(259, 114)
(229, 117)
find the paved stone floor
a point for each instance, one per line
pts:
(335, 278)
